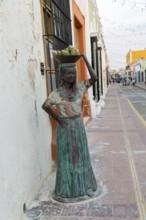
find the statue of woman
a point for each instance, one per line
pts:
(75, 180)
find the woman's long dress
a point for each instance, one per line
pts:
(75, 178)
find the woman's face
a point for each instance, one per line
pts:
(69, 74)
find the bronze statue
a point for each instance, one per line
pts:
(75, 180)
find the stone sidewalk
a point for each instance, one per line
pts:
(110, 161)
(141, 85)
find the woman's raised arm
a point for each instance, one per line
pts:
(92, 73)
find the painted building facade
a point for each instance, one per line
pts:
(95, 50)
(137, 72)
(136, 62)
(143, 70)
(134, 55)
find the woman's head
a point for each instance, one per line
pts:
(63, 66)
(68, 72)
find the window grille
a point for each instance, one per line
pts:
(57, 36)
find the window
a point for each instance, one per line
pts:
(56, 35)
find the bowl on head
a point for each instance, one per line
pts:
(67, 58)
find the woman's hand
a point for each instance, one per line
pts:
(84, 56)
(62, 121)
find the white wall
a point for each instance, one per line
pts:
(104, 76)
(25, 131)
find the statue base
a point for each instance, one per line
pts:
(90, 195)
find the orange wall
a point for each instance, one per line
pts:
(79, 40)
(135, 55)
(139, 54)
(79, 30)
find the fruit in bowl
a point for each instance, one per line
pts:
(70, 50)
(69, 54)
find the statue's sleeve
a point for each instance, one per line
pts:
(52, 98)
(83, 86)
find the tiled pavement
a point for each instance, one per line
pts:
(111, 166)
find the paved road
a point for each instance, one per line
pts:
(137, 98)
(117, 145)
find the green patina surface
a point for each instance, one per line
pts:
(75, 179)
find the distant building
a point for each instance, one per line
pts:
(135, 59)
(138, 70)
(135, 55)
(143, 70)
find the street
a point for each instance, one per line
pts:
(117, 145)
(137, 98)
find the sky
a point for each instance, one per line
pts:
(124, 28)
